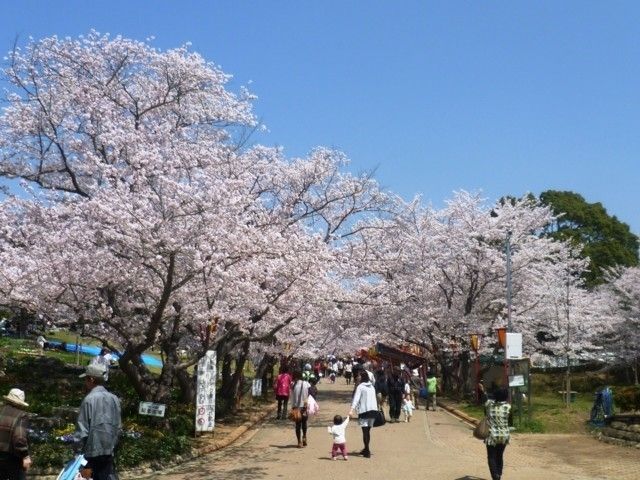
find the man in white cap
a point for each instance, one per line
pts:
(99, 424)
(14, 449)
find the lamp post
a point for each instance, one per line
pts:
(475, 346)
(508, 253)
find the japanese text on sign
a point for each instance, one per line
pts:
(153, 409)
(206, 393)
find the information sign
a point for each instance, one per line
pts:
(153, 409)
(206, 393)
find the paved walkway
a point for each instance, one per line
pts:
(434, 445)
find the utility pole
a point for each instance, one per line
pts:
(568, 379)
(508, 248)
(507, 363)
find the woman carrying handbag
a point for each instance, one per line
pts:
(497, 418)
(365, 403)
(298, 414)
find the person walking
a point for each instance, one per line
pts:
(14, 448)
(99, 425)
(299, 397)
(282, 389)
(365, 404)
(382, 388)
(497, 413)
(432, 388)
(348, 369)
(396, 393)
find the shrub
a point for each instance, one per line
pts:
(132, 452)
(627, 399)
(50, 454)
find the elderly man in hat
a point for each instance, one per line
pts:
(14, 450)
(99, 425)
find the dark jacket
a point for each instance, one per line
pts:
(381, 385)
(396, 386)
(13, 431)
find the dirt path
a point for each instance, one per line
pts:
(434, 445)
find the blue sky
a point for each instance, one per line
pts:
(505, 97)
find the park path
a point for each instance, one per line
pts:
(434, 445)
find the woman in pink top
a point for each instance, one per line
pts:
(282, 390)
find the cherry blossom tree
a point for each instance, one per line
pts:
(621, 298)
(438, 275)
(149, 225)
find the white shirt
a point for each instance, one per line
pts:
(339, 431)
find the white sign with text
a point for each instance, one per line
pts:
(206, 393)
(514, 345)
(150, 408)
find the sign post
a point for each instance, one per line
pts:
(206, 393)
(152, 409)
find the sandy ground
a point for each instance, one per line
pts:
(434, 445)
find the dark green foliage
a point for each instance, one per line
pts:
(160, 449)
(49, 383)
(50, 454)
(607, 241)
(627, 399)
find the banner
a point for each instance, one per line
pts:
(206, 395)
(256, 387)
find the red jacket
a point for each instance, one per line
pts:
(283, 384)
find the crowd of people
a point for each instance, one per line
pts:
(396, 388)
(376, 389)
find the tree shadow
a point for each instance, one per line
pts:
(470, 477)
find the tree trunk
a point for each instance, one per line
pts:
(137, 373)
(238, 375)
(187, 383)
(264, 370)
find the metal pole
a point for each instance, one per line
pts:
(509, 324)
(568, 380)
(477, 376)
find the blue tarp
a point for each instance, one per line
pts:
(149, 360)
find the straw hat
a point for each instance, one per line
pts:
(16, 397)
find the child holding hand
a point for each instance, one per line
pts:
(338, 432)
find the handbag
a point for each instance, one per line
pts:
(312, 406)
(482, 429)
(295, 414)
(379, 419)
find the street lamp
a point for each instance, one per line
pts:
(508, 254)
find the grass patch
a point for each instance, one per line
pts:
(549, 414)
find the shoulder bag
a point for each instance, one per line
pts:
(482, 429)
